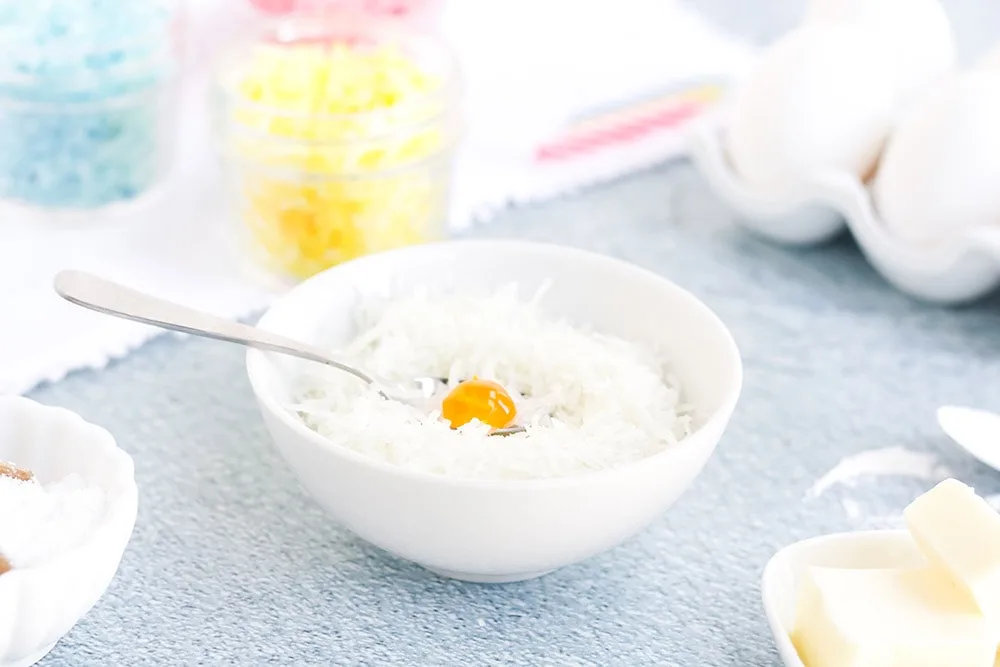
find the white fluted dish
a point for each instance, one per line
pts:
(41, 603)
(861, 550)
(824, 204)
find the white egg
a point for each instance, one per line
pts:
(915, 34)
(940, 173)
(816, 101)
(991, 60)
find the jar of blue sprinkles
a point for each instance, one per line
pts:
(88, 103)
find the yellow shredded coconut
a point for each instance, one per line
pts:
(336, 147)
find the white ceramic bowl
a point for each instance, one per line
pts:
(862, 550)
(40, 604)
(825, 204)
(496, 531)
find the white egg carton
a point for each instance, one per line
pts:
(960, 270)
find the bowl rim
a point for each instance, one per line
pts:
(123, 505)
(256, 359)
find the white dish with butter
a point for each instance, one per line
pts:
(928, 596)
(864, 550)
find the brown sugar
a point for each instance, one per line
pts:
(10, 470)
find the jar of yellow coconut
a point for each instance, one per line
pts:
(337, 134)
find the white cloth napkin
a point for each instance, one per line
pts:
(530, 67)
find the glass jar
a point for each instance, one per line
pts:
(87, 103)
(338, 136)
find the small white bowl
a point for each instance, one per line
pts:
(861, 550)
(498, 531)
(40, 604)
(826, 203)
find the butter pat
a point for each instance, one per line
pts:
(888, 618)
(959, 532)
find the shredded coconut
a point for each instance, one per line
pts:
(588, 401)
(885, 462)
(38, 522)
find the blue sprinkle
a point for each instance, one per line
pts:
(81, 100)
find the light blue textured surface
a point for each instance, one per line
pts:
(231, 564)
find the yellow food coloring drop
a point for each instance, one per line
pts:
(484, 400)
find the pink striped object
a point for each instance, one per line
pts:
(624, 125)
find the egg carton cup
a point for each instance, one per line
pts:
(39, 604)
(960, 270)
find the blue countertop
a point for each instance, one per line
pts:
(232, 564)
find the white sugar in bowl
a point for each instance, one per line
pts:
(42, 600)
